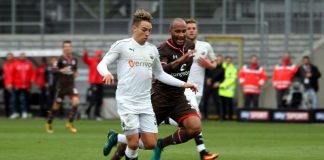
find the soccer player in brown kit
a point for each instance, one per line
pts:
(176, 56)
(67, 71)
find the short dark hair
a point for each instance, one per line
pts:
(141, 15)
(67, 41)
(306, 57)
(254, 55)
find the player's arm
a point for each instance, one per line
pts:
(210, 61)
(107, 60)
(168, 79)
(168, 66)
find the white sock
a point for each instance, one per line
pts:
(172, 122)
(121, 138)
(130, 153)
(201, 147)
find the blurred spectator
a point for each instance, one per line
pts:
(95, 92)
(213, 79)
(52, 79)
(282, 78)
(227, 88)
(252, 77)
(23, 76)
(7, 110)
(41, 81)
(309, 75)
(8, 91)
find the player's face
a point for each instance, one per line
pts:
(192, 31)
(178, 33)
(67, 48)
(142, 31)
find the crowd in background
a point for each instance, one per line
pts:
(18, 75)
(295, 86)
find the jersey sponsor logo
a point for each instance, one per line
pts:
(133, 63)
(182, 74)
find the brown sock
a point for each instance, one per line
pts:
(180, 136)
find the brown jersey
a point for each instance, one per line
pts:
(66, 80)
(169, 53)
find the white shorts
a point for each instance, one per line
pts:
(193, 99)
(138, 123)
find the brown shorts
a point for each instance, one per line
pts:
(177, 108)
(67, 91)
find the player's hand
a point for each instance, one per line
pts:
(108, 79)
(192, 86)
(206, 63)
(208, 81)
(186, 57)
(216, 84)
(65, 69)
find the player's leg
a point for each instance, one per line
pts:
(204, 155)
(75, 100)
(51, 114)
(181, 111)
(130, 125)
(98, 104)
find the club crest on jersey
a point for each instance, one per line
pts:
(175, 56)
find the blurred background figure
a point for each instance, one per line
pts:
(23, 76)
(282, 79)
(227, 88)
(308, 74)
(95, 91)
(252, 77)
(9, 95)
(41, 81)
(214, 77)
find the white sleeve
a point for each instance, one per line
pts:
(164, 77)
(108, 59)
(211, 55)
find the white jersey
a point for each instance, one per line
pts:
(197, 73)
(135, 65)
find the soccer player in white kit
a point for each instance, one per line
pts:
(204, 58)
(137, 62)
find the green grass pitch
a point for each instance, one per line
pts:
(27, 140)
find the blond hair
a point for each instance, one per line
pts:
(191, 20)
(141, 15)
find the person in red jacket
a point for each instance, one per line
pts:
(41, 79)
(95, 92)
(9, 94)
(282, 78)
(252, 77)
(23, 76)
